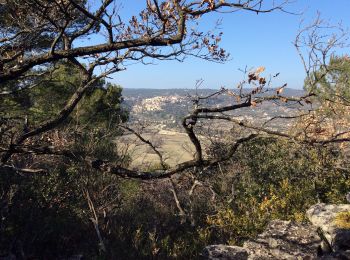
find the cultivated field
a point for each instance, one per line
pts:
(174, 146)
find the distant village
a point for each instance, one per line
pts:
(164, 109)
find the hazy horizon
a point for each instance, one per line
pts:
(184, 88)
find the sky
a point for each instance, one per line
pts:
(252, 40)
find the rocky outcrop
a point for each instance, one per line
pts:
(323, 216)
(321, 239)
(284, 240)
(280, 240)
(224, 252)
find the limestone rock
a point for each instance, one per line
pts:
(284, 240)
(289, 240)
(323, 216)
(281, 240)
(224, 252)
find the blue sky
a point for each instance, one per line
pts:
(252, 40)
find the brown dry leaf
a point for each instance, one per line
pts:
(253, 103)
(262, 81)
(251, 77)
(260, 69)
(280, 90)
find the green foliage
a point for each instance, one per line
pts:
(102, 104)
(55, 218)
(331, 81)
(330, 84)
(267, 179)
(49, 98)
(277, 180)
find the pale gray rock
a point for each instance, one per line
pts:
(224, 252)
(289, 240)
(284, 240)
(281, 240)
(323, 216)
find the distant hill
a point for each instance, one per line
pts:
(167, 107)
(147, 93)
